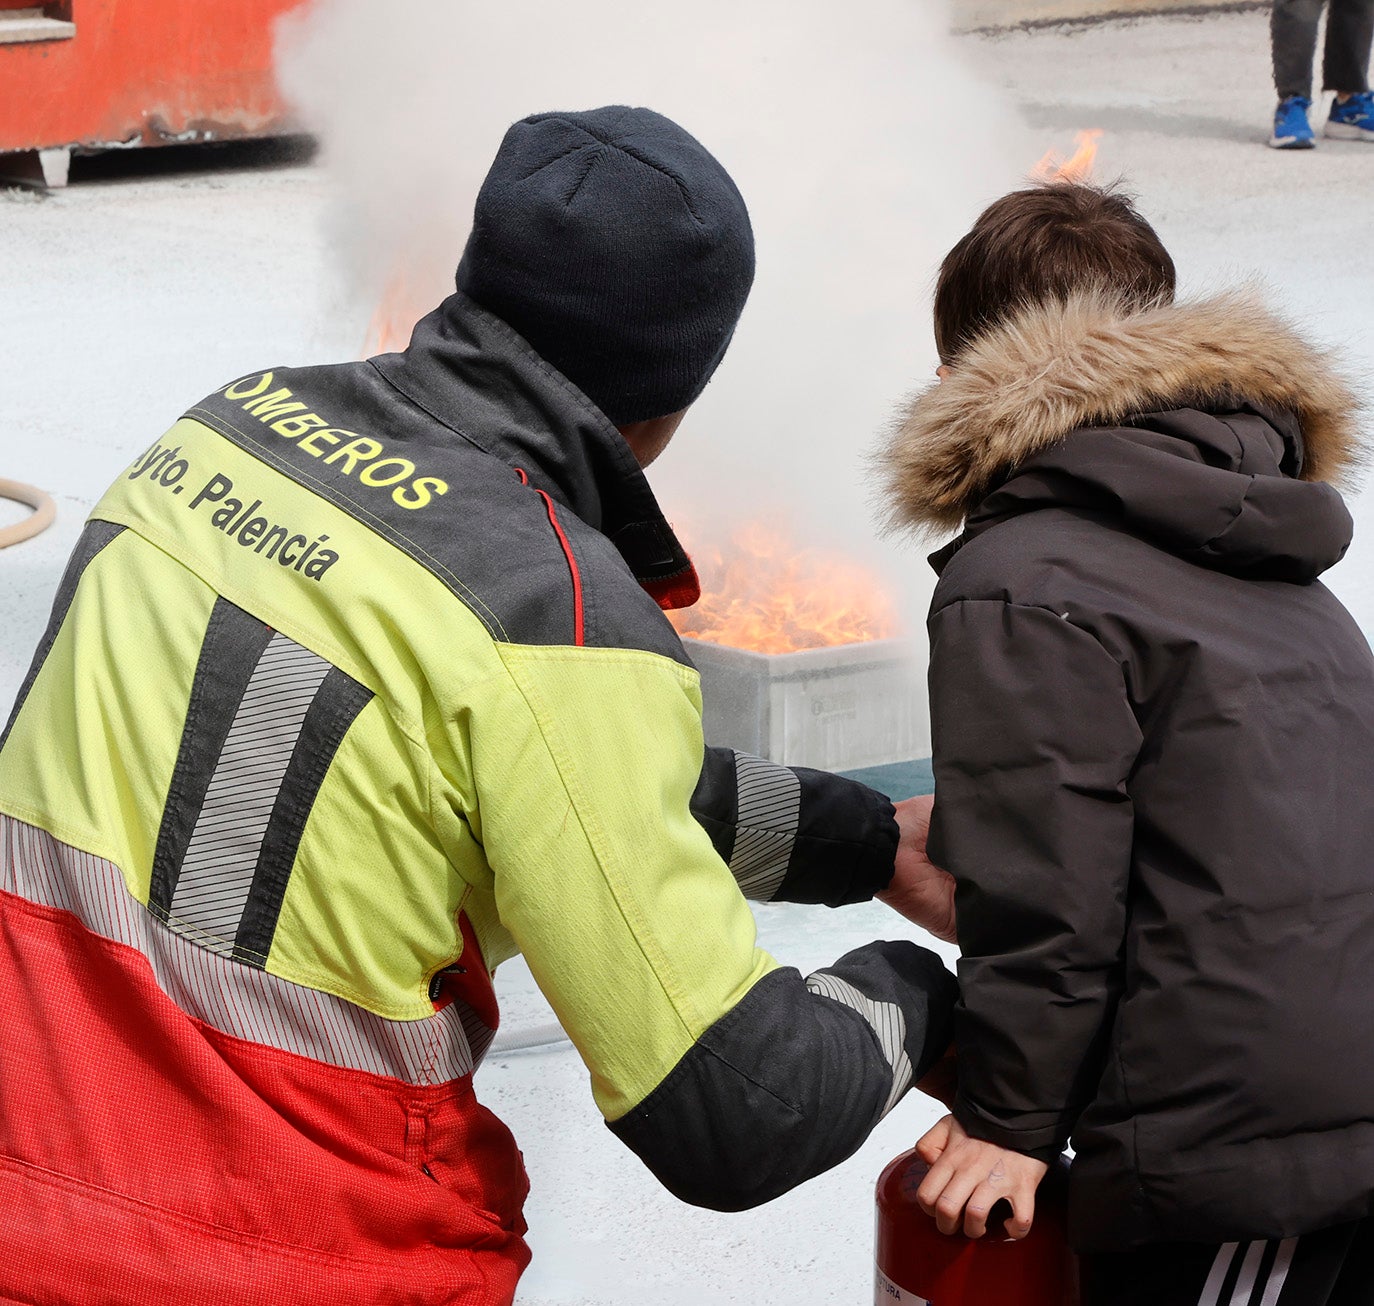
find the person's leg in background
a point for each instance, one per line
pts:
(1349, 35)
(1293, 32)
(1327, 1268)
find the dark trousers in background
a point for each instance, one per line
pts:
(1332, 1267)
(1349, 32)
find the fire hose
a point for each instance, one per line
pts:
(534, 1036)
(44, 510)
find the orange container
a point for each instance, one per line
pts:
(99, 73)
(917, 1265)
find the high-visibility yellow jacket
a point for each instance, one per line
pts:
(357, 684)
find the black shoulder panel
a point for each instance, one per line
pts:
(94, 537)
(526, 566)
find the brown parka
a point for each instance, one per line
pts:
(1153, 738)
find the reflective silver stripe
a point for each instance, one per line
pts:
(1211, 1290)
(887, 1020)
(217, 871)
(236, 999)
(766, 826)
(1249, 1272)
(1278, 1273)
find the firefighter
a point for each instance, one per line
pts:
(357, 684)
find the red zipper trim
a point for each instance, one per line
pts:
(578, 625)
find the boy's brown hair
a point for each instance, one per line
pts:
(1047, 243)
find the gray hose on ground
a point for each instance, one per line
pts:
(525, 1040)
(44, 510)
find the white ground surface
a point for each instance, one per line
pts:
(123, 300)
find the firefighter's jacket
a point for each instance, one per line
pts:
(357, 684)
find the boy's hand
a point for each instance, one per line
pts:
(968, 1177)
(920, 890)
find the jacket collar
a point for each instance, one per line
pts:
(474, 375)
(1056, 368)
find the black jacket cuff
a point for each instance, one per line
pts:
(1040, 1142)
(792, 834)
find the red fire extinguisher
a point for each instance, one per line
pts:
(920, 1266)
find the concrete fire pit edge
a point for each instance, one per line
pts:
(837, 708)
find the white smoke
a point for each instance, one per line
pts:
(862, 143)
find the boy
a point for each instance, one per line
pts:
(1153, 729)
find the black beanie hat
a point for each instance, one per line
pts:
(619, 248)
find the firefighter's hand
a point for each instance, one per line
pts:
(920, 890)
(968, 1177)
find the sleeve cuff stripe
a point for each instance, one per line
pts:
(768, 814)
(759, 850)
(774, 814)
(888, 1022)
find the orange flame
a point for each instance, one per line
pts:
(763, 592)
(1078, 167)
(394, 319)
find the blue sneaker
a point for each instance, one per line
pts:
(1292, 131)
(1353, 120)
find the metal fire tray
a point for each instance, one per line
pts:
(838, 709)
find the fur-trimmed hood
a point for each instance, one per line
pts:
(1062, 367)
